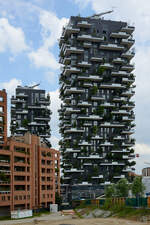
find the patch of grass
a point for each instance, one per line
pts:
(5, 218)
(78, 214)
(41, 213)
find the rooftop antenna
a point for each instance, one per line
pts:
(36, 85)
(98, 16)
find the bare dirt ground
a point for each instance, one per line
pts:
(58, 219)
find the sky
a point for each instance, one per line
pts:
(29, 52)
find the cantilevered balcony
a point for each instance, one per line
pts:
(118, 60)
(98, 97)
(91, 157)
(107, 124)
(118, 138)
(73, 90)
(112, 86)
(87, 37)
(73, 130)
(85, 143)
(73, 50)
(119, 35)
(84, 104)
(97, 177)
(128, 93)
(108, 105)
(126, 118)
(109, 47)
(112, 164)
(87, 44)
(90, 78)
(119, 177)
(127, 80)
(128, 29)
(21, 95)
(128, 42)
(21, 111)
(70, 30)
(128, 54)
(84, 24)
(70, 70)
(66, 60)
(84, 64)
(96, 59)
(120, 73)
(106, 66)
(73, 170)
(90, 117)
(122, 112)
(128, 67)
(15, 100)
(129, 132)
(97, 137)
(72, 150)
(70, 110)
(106, 143)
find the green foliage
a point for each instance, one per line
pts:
(100, 70)
(122, 188)
(110, 192)
(94, 90)
(137, 186)
(100, 110)
(58, 199)
(95, 130)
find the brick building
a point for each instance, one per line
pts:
(29, 171)
(3, 116)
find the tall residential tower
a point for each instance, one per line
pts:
(96, 116)
(30, 112)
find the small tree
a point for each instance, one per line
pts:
(58, 199)
(110, 191)
(122, 188)
(137, 187)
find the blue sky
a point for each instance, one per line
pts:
(29, 33)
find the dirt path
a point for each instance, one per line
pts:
(57, 219)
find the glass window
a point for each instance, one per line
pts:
(1, 99)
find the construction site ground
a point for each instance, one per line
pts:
(61, 219)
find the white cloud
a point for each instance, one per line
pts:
(55, 105)
(11, 38)
(51, 77)
(43, 58)
(10, 86)
(51, 27)
(54, 142)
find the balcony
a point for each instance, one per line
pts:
(21, 95)
(42, 118)
(87, 44)
(128, 42)
(84, 104)
(84, 64)
(84, 143)
(70, 110)
(114, 47)
(70, 70)
(73, 50)
(112, 164)
(91, 117)
(106, 143)
(98, 97)
(120, 73)
(129, 132)
(86, 37)
(98, 177)
(15, 100)
(127, 80)
(70, 30)
(21, 129)
(22, 112)
(66, 60)
(118, 138)
(106, 66)
(90, 157)
(83, 24)
(108, 105)
(111, 86)
(68, 150)
(73, 170)
(87, 84)
(123, 112)
(73, 90)
(118, 60)
(106, 124)
(128, 54)
(37, 124)
(119, 35)
(128, 29)
(126, 118)
(128, 68)
(128, 93)
(119, 177)
(73, 130)
(90, 78)
(96, 59)
(119, 99)
(97, 137)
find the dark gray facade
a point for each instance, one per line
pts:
(96, 116)
(30, 112)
